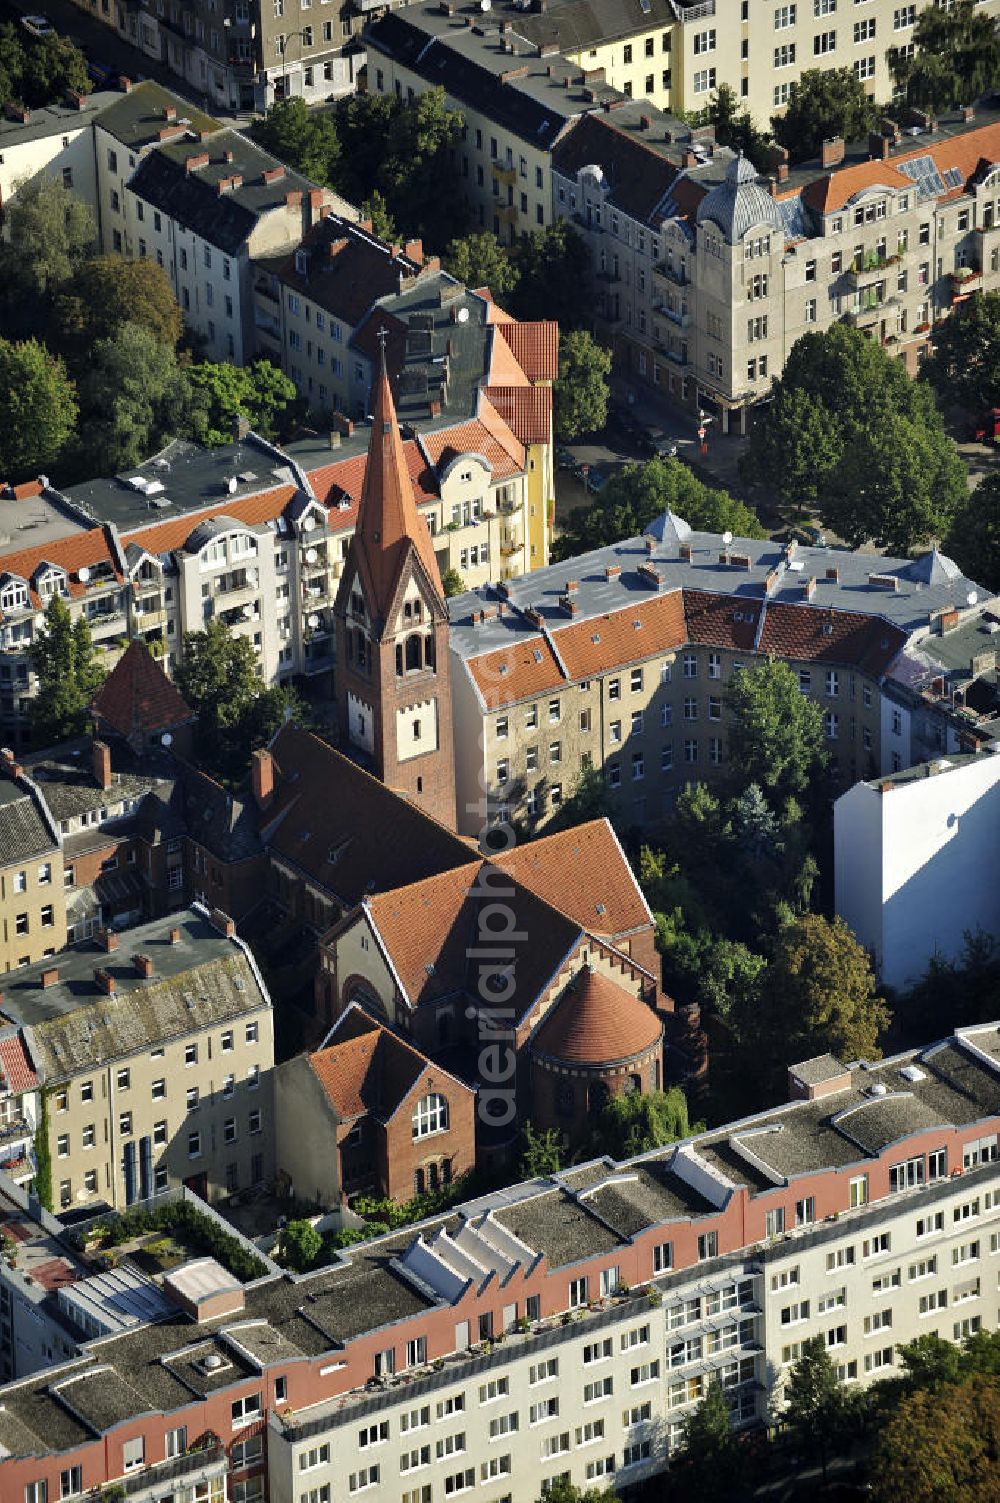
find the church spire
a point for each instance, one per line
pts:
(388, 520)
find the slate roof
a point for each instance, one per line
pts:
(596, 1021)
(225, 823)
(348, 268)
(202, 980)
(24, 833)
(226, 220)
(573, 24)
(638, 176)
(137, 698)
(359, 838)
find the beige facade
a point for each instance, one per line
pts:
(32, 891)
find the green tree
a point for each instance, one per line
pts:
(580, 400)
(133, 396)
(639, 494)
(964, 365)
(930, 1361)
(734, 126)
(820, 995)
(956, 57)
(303, 138)
(541, 1153)
(589, 800)
(480, 260)
(708, 1460)
(363, 122)
(301, 1245)
(48, 232)
(38, 409)
(631, 1124)
(376, 211)
(65, 659)
(218, 678)
(814, 1400)
(222, 392)
(847, 427)
(43, 1152)
(53, 68)
(452, 583)
(104, 294)
(776, 731)
(941, 1446)
(554, 276)
(563, 1491)
(823, 103)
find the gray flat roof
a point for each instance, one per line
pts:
(33, 520)
(54, 119)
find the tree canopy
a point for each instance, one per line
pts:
(302, 138)
(820, 996)
(941, 1445)
(261, 393)
(218, 678)
(38, 71)
(106, 293)
(479, 260)
(553, 267)
(133, 396)
(973, 539)
(541, 1152)
(639, 493)
(38, 409)
(733, 124)
(707, 1463)
(580, 400)
(776, 731)
(69, 675)
(955, 57)
(452, 583)
(823, 103)
(47, 233)
(847, 430)
(633, 1123)
(814, 1400)
(964, 364)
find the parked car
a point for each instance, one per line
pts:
(38, 26)
(565, 458)
(102, 74)
(596, 479)
(661, 444)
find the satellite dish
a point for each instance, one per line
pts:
(166, 739)
(727, 538)
(972, 597)
(232, 484)
(463, 313)
(308, 523)
(83, 574)
(313, 622)
(311, 555)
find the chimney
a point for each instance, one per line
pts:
(171, 132)
(937, 686)
(878, 146)
(336, 246)
(19, 113)
(569, 605)
(11, 766)
(343, 424)
(572, 585)
(49, 977)
(968, 113)
(105, 982)
(650, 575)
(650, 544)
(948, 619)
(170, 115)
(685, 552)
(333, 438)
(125, 84)
(241, 428)
(262, 778)
(783, 172)
(832, 153)
(612, 571)
(833, 575)
(688, 157)
(272, 174)
(771, 580)
(415, 250)
(102, 764)
(108, 940)
(228, 184)
(293, 199)
(887, 582)
(645, 122)
(809, 587)
(76, 101)
(222, 922)
(228, 154)
(143, 966)
(174, 937)
(195, 163)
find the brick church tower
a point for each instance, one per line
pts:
(393, 686)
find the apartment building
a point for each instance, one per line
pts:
(705, 275)
(19, 1109)
(154, 1053)
(57, 139)
(518, 100)
(865, 1212)
(32, 897)
(620, 659)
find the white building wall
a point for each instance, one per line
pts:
(68, 149)
(914, 865)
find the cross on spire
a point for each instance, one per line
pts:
(382, 336)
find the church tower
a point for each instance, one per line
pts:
(393, 687)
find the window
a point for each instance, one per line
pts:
(133, 1453)
(774, 1222)
(858, 1191)
(704, 80)
(367, 1476)
(71, 1482)
(908, 1175)
(125, 1124)
(805, 1211)
(554, 711)
(253, 1121)
(704, 41)
(252, 1032)
(578, 1292)
(430, 1116)
(823, 42)
(191, 1054)
(784, 16)
(708, 1245)
(872, 1247)
(175, 1443)
(663, 1257)
(194, 1145)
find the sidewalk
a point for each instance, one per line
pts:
(717, 467)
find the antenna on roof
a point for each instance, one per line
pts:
(382, 336)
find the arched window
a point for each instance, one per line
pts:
(565, 1098)
(412, 653)
(429, 652)
(399, 659)
(597, 1097)
(431, 1115)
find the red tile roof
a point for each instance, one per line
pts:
(390, 529)
(346, 477)
(138, 697)
(597, 1021)
(602, 642)
(16, 1066)
(503, 368)
(522, 670)
(77, 551)
(527, 411)
(535, 346)
(963, 151)
(427, 928)
(369, 1070)
(164, 537)
(812, 633)
(722, 620)
(583, 873)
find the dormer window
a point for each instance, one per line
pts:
(241, 545)
(302, 262)
(52, 583)
(14, 596)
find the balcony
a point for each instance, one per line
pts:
(103, 621)
(509, 548)
(675, 274)
(506, 213)
(870, 270)
(504, 172)
(193, 1467)
(682, 320)
(965, 279)
(264, 289)
(16, 1131)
